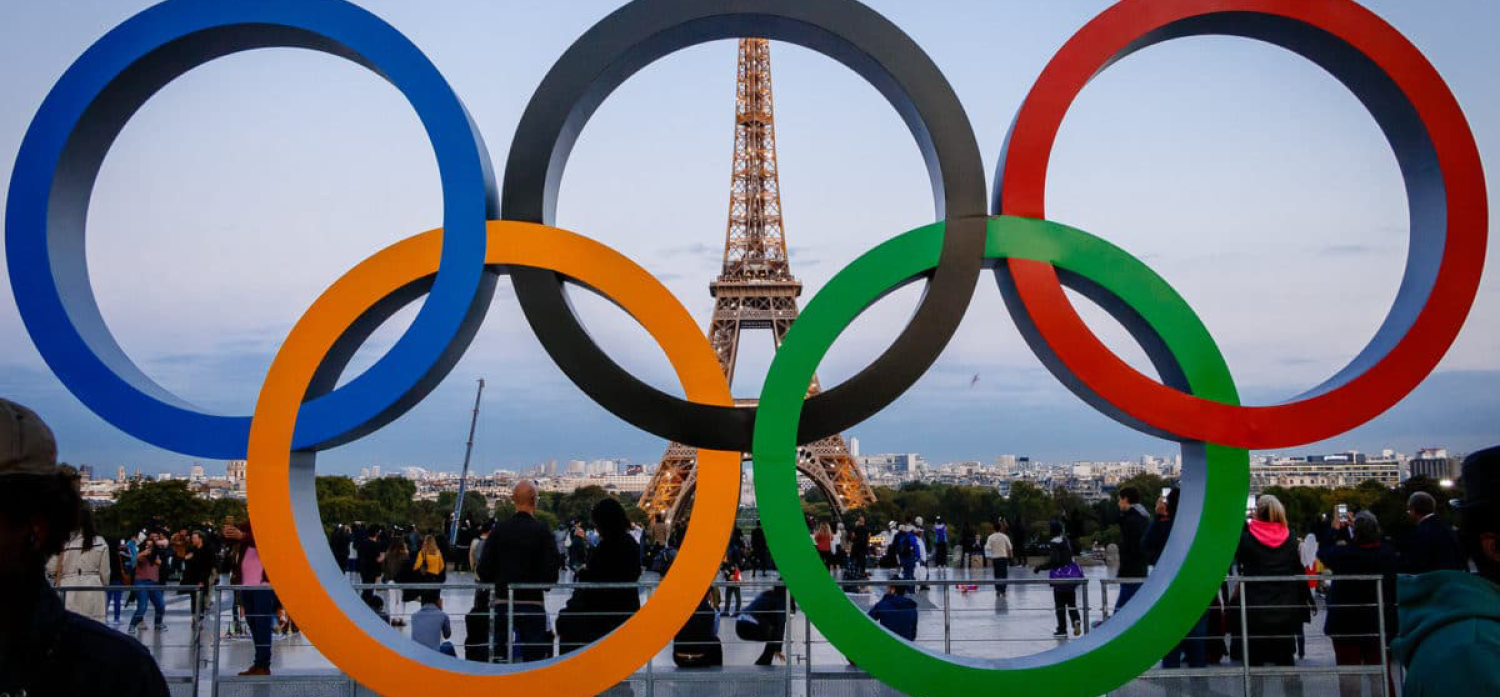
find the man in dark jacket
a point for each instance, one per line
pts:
(1133, 523)
(1433, 546)
(897, 613)
(521, 550)
(44, 649)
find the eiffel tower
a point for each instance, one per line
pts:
(756, 290)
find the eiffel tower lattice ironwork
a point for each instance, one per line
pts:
(756, 290)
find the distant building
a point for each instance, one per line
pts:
(1435, 464)
(86, 472)
(235, 471)
(854, 447)
(196, 474)
(1346, 469)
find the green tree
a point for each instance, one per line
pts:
(136, 507)
(390, 499)
(476, 508)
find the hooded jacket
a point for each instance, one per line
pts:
(1450, 634)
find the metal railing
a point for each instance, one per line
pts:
(957, 607)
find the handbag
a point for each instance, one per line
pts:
(1068, 570)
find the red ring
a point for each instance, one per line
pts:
(1024, 174)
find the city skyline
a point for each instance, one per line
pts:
(1286, 230)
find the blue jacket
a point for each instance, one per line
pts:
(897, 613)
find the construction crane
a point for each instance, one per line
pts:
(463, 479)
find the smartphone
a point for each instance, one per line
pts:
(1341, 511)
(1250, 505)
(1166, 491)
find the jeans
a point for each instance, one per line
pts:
(1065, 604)
(531, 635)
(114, 599)
(1191, 647)
(141, 596)
(1127, 591)
(260, 612)
(1002, 570)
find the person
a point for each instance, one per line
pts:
(429, 563)
(118, 578)
(259, 600)
(896, 612)
(1433, 545)
(905, 544)
(178, 549)
(578, 548)
(149, 563)
(476, 547)
(823, 541)
(375, 603)
(764, 619)
(338, 543)
(430, 626)
(1061, 567)
(729, 570)
(940, 542)
(46, 649)
(592, 613)
(998, 549)
(1353, 546)
(392, 571)
(521, 550)
(840, 548)
(1277, 609)
(761, 551)
(371, 555)
(859, 548)
(1133, 523)
(660, 533)
(697, 644)
(198, 571)
(1450, 620)
(85, 561)
(1307, 553)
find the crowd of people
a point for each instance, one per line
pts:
(1441, 620)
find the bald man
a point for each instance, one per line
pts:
(521, 550)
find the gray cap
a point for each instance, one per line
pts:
(26, 444)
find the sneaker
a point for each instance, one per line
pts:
(1077, 628)
(257, 670)
(1060, 633)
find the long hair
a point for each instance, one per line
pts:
(397, 546)
(823, 529)
(609, 517)
(86, 526)
(1268, 509)
(429, 546)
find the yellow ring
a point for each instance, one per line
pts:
(379, 665)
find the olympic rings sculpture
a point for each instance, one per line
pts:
(454, 270)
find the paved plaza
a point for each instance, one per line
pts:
(981, 624)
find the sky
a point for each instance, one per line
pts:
(1245, 176)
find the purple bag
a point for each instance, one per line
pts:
(1069, 570)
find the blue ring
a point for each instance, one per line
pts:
(59, 161)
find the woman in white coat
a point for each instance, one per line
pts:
(83, 562)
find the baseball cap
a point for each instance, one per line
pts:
(26, 444)
(1481, 479)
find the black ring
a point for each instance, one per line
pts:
(860, 38)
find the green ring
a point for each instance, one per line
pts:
(1166, 607)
